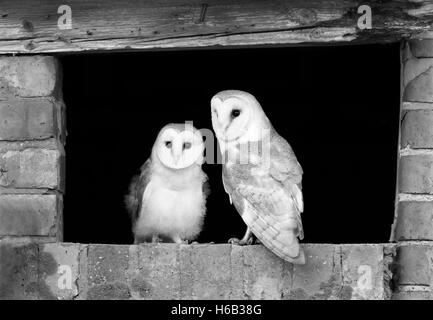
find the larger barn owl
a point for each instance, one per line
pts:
(260, 174)
(168, 199)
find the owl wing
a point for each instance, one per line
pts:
(205, 186)
(286, 169)
(270, 201)
(137, 187)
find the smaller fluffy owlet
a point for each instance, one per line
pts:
(168, 199)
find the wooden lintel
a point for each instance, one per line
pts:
(31, 26)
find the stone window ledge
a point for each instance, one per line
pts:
(202, 271)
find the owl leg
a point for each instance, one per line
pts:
(246, 240)
(155, 239)
(138, 239)
(178, 240)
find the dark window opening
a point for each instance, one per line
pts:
(338, 107)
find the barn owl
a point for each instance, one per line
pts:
(168, 199)
(266, 188)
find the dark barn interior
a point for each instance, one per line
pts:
(338, 107)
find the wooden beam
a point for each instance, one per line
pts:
(30, 26)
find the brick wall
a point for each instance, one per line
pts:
(31, 149)
(413, 225)
(32, 134)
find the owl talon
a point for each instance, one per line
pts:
(241, 242)
(234, 241)
(248, 242)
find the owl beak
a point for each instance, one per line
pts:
(176, 159)
(176, 156)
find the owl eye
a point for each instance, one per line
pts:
(168, 144)
(236, 113)
(187, 145)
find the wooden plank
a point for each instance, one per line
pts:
(30, 26)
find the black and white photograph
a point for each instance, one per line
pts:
(234, 151)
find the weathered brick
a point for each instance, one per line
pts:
(31, 168)
(416, 174)
(413, 67)
(320, 277)
(413, 267)
(363, 271)
(59, 270)
(107, 267)
(257, 273)
(32, 76)
(109, 291)
(417, 129)
(157, 271)
(417, 106)
(27, 119)
(23, 240)
(29, 214)
(412, 295)
(414, 221)
(420, 89)
(19, 271)
(421, 48)
(205, 271)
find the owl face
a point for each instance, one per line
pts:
(235, 114)
(179, 146)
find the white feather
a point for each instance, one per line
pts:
(172, 206)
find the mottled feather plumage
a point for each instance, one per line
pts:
(268, 197)
(264, 200)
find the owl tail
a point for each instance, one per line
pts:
(279, 239)
(285, 245)
(294, 254)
